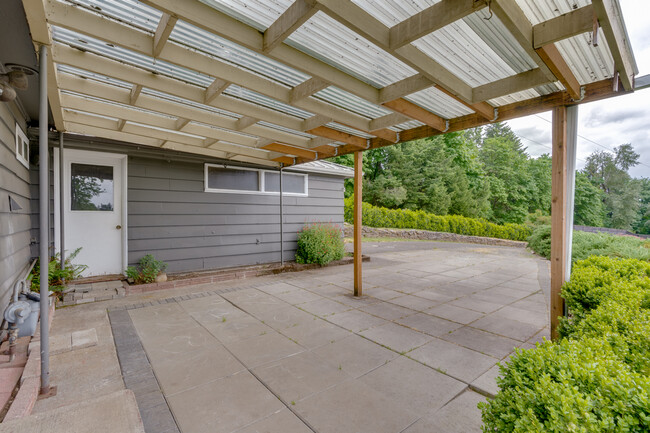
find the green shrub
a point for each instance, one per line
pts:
(147, 270)
(320, 243)
(591, 244)
(597, 378)
(57, 276)
(571, 386)
(374, 216)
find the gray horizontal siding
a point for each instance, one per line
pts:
(15, 227)
(171, 217)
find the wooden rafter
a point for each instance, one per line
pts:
(245, 122)
(576, 22)
(516, 83)
(431, 19)
(289, 150)
(171, 108)
(307, 88)
(136, 89)
(336, 135)
(164, 29)
(415, 111)
(552, 57)
(215, 89)
(296, 15)
(610, 18)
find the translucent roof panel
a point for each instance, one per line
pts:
(350, 102)
(284, 129)
(127, 56)
(439, 103)
(543, 10)
(514, 97)
(223, 49)
(406, 125)
(326, 39)
(348, 130)
(93, 76)
(189, 103)
(127, 11)
(588, 63)
(323, 38)
(117, 104)
(256, 98)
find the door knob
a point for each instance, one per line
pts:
(118, 227)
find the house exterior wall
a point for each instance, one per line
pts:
(15, 226)
(172, 217)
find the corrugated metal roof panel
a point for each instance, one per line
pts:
(257, 98)
(439, 103)
(324, 167)
(348, 130)
(131, 12)
(350, 102)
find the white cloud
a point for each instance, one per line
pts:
(612, 122)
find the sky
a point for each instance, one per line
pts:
(609, 123)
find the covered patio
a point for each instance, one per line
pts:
(283, 82)
(298, 353)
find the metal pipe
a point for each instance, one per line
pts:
(281, 223)
(43, 201)
(61, 199)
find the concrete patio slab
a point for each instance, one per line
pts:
(388, 311)
(481, 341)
(223, 405)
(396, 337)
(119, 407)
(405, 380)
(282, 421)
(354, 407)
(264, 348)
(355, 355)
(355, 320)
(428, 324)
(458, 362)
(458, 416)
(506, 327)
(454, 313)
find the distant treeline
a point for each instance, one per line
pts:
(487, 173)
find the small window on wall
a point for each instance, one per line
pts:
(22, 147)
(91, 187)
(252, 181)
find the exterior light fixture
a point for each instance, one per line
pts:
(16, 78)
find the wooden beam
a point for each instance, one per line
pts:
(416, 112)
(388, 120)
(296, 151)
(571, 24)
(505, 86)
(553, 59)
(386, 134)
(358, 220)
(244, 122)
(315, 121)
(404, 87)
(285, 160)
(135, 93)
(558, 216)
(227, 125)
(164, 29)
(325, 151)
(431, 19)
(514, 19)
(181, 123)
(307, 88)
(215, 89)
(296, 15)
(611, 21)
(333, 134)
(120, 124)
(482, 108)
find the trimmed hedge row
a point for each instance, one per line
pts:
(320, 243)
(374, 216)
(597, 377)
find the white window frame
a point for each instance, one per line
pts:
(261, 190)
(21, 139)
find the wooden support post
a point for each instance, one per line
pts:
(558, 215)
(358, 178)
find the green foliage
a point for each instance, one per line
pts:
(57, 276)
(596, 378)
(320, 243)
(642, 225)
(147, 270)
(588, 244)
(374, 216)
(589, 209)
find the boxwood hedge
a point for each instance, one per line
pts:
(597, 377)
(374, 216)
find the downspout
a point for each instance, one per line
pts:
(61, 199)
(281, 222)
(43, 206)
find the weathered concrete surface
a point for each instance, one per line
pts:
(297, 353)
(116, 412)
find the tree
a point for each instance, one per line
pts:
(589, 209)
(642, 225)
(608, 171)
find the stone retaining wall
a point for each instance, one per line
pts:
(374, 232)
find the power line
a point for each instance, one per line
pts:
(544, 145)
(591, 141)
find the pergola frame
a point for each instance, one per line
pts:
(210, 120)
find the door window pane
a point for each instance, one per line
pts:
(233, 179)
(91, 187)
(291, 183)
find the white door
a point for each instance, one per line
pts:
(94, 217)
